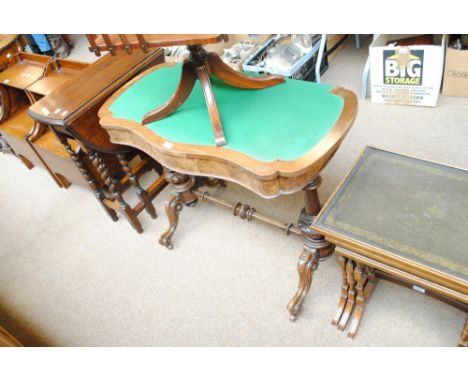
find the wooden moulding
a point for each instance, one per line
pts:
(268, 179)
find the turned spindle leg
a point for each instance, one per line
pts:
(112, 185)
(315, 247)
(141, 193)
(98, 192)
(182, 195)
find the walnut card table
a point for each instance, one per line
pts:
(278, 140)
(401, 218)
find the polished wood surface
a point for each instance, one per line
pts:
(74, 106)
(9, 46)
(27, 69)
(25, 82)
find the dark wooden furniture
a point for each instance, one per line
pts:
(403, 219)
(9, 46)
(109, 169)
(200, 65)
(310, 121)
(28, 78)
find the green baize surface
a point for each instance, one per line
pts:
(281, 122)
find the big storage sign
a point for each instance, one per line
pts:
(408, 75)
(403, 68)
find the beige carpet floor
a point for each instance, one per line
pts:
(69, 276)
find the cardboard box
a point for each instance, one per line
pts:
(406, 75)
(455, 72)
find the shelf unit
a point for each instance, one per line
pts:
(27, 79)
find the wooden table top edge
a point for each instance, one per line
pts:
(309, 162)
(36, 115)
(175, 41)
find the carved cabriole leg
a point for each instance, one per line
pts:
(112, 185)
(315, 247)
(351, 295)
(182, 195)
(173, 207)
(464, 336)
(98, 193)
(344, 290)
(141, 193)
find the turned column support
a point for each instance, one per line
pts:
(315, 246)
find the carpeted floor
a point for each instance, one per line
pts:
(69, 276)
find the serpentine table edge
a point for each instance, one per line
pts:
(267, 179)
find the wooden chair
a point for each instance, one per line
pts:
(200, 65)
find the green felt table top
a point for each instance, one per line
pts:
(281, 122)
(406, 206)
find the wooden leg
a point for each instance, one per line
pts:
(234, 78)
(173, 207)
(464, 336)
(358, 311)
(307, 264)
(344, 290)
(141, 193)
(182, 186)
(62, 180)
(98, 193)
(205, 82)
(26, 161)
(351, 295)
(183, 91)
(315, 247)
(112, 185)
(365, 284)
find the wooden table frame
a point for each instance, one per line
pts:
(362, 264)
(189, 166)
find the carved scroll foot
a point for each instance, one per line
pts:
(307, 264)
(315, 246)
(173, 207)
(464, 336)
